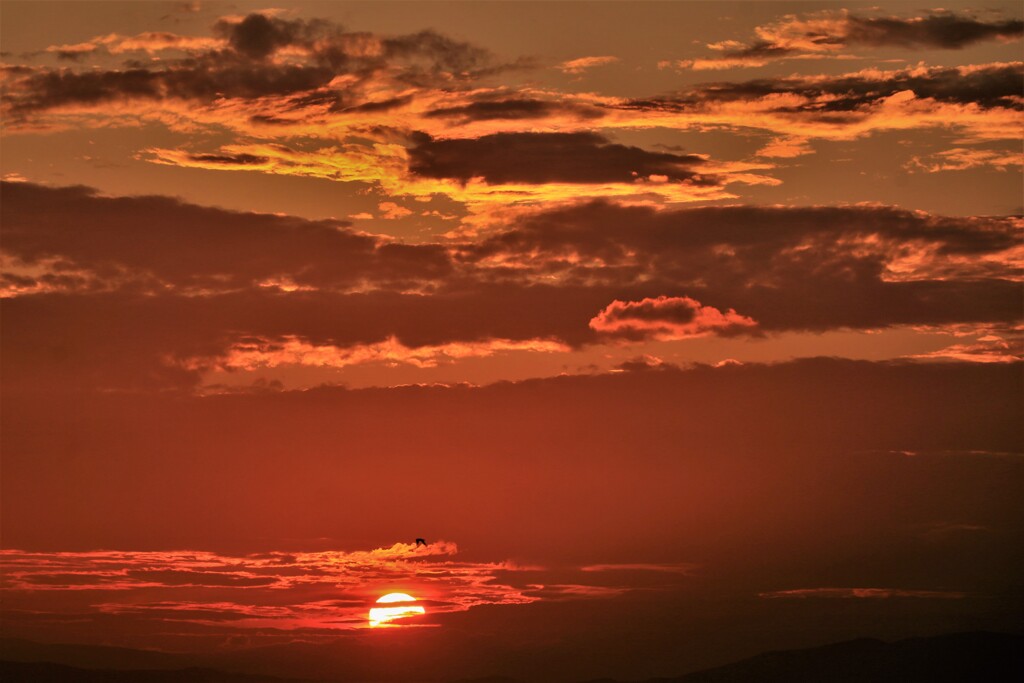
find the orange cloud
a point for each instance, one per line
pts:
(214, 595)
(149, 41)
(827, 33)
(385, 165)
(990, 344)
(666, 318)
(292, 350)
(717, 64)
(980, 102)
(962, 158)
(391, 211)
(786, 148)
(578, 66)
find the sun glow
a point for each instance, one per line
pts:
(401, 605)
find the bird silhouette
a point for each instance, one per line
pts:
(419, 542)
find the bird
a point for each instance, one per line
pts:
(419, 542)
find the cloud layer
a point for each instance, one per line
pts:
(154, 290)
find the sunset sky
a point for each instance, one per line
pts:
(681, 331)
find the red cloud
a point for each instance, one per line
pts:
(666, 317)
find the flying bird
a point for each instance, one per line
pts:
(419, 542)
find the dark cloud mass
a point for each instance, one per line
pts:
(512, 109)
(244, 69)
(159, 241)
(258, 36)
(153, 289)
(537, 158)
(944, 31)
(230, 159)
(193, 79)
(798, 36)
(989, 86)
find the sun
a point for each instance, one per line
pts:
(400, 605)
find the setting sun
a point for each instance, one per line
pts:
(400, 605)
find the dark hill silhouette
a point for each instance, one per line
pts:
(89, 656)
(978, 657)
(45, 672)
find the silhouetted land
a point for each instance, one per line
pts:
(957, 657)
(978, 657)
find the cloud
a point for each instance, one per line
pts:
(289, 350)
(582, 64)
(962, 159)
(266, 77)
(278, 590)
(242, 62)
(258, 36)
(391, 211)
(388, 168)
(46, 89)
(980, 101)
(148, 41)
(229, 160)
(96, 301)
(215, 249)
(266, 594)
(786, 148)
(1000, 344)
(828, 33)
(665, 318)
(537, 158)
(946, 31)
(756, 245)
(514, 109)
(719, 64)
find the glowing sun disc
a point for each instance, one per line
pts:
(402, 605)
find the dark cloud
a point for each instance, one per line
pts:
(513, 109)
(997, 85)
(537, 158)
(70, 55)
(787, 268)
(151, 341)
(379, 106)
(45, 89)
(193, 79)
(942, 31)
(608, 231)
(229, 159)
(436, 52)
(796, 36)
(258, 36)
(159, 241)
(150, 291)
(243, 69)
(759, 50)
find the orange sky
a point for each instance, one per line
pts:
(639, 306)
